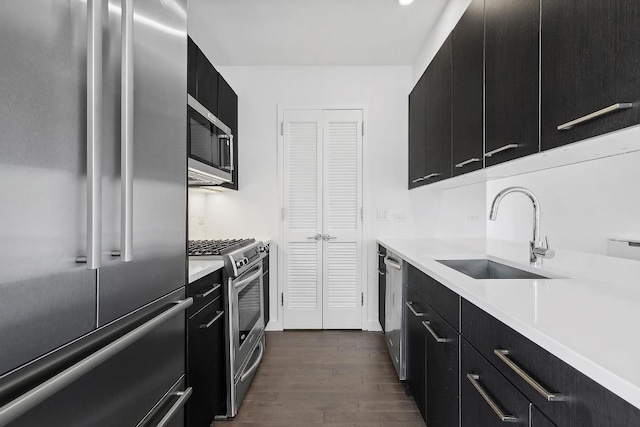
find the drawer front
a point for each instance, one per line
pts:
(204, 290)
(415, 312)
(491, 389)
(580, 401)
(123, 389)
(443, 300)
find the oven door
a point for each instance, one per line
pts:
(210, 145)
(247, 314)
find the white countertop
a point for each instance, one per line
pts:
(200, 268)
(589, 324)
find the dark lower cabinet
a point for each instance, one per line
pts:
(441, 373)
(538, 419)
(382, 284)
(265, 288)
(487, 398)
(415, 346)
(512, 86)
(438, 109)
(467, 144)
(590, 61)
(417, 132)
(579, 401)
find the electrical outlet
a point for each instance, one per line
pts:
(473, 218)
(200, 220)
(399, 217)
(383, 215)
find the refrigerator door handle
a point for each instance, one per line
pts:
(48, 388)
(94, 136)
(126, 134)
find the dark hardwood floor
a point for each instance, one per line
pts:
(332, 378)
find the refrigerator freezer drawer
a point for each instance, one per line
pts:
(125, 388)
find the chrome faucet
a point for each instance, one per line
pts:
(537, 249)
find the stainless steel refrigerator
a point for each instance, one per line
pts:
(92, 212)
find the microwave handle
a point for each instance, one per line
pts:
(126, 134)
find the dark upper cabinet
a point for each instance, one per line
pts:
(228, 114)
(590, 61)
(192, 59)
(512, 83)
(467, 91)
(207, 83)
(417, 132)
(438, 108)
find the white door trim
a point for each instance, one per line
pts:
(366, 324)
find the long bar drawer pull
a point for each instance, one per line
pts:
(210, 291)
(419, 179)
(596, 114)
(550, 397)
(248, 371)
(380, 254)
(392, 263)
(433, 333)
(432, 175)
(413, 310)
(501, 149)
(473, 379)
(48, 388)
(382, 273)
(214, 320)
(183, 396)
(466, 162)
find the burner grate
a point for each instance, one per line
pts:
(215, 247)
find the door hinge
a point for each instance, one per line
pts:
(281, 128)
(282, 299)
(361, 214)
(362, 298)
(282, 213)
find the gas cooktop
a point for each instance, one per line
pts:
(214, 248)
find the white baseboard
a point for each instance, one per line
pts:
(374, 325)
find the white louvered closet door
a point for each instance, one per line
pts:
(323, 197)
(342, 225)
(302, 219)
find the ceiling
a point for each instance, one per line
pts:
(311, 32)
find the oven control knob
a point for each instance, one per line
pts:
(245, 261)
(239, 263)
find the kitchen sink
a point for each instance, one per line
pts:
(487, 269)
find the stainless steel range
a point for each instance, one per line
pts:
(244, 309)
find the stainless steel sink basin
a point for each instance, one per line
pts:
(487, 269)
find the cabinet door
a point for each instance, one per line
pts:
(438, 133)
(415, 345)
(441, 377)
(590, 58)
(467, 90)
(207, 83)
(511, 67)
(192, 61)
(485, 395)
(417, 132)
(265, 288)
(228, 113)
(538, 419)
(382, 284)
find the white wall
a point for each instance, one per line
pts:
(253, 211)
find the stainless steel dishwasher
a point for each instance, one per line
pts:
(394, 312)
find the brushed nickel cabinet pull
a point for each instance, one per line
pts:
(466, 162)
(413, 310)
(596, 114)
(549, 397)
(501, 149)
(432, 175)
(473, 379)
(434, 334)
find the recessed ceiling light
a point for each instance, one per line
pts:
(405, 2)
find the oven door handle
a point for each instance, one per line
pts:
(253, 367)
(244, 282)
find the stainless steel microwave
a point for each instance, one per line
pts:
(210, 147)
